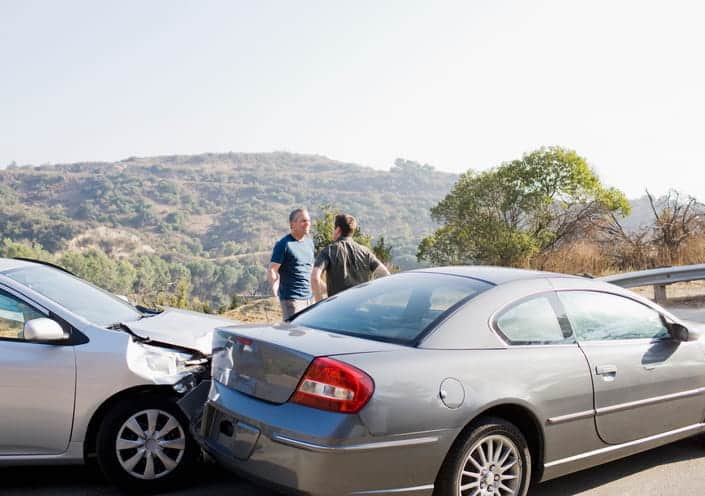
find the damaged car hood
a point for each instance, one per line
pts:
(181, 328)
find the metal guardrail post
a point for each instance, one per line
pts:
(660, 294)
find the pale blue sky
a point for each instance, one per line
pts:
(456, 84)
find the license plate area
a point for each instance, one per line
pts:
(229, 434)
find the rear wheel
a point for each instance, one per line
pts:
(490, 459)
(144, 445)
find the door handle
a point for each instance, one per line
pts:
(606, 370)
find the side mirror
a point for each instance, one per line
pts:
(678, 331)
(43, 329)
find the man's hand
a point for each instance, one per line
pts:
(381, 271)
(273, 277)
(317, 283)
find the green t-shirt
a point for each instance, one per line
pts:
(346, 263)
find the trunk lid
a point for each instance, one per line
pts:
(268, 361)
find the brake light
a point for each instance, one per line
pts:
(335, 386)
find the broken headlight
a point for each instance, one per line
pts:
(160, 364)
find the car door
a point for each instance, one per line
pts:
(644, 381)
(37, 384)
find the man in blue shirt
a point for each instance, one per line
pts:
(290, 268)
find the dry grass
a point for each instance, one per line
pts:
(586, 257)
(199, 224)
(582, 257)
(681, 294)
(10, 330)
(261, 310)
(118, 243)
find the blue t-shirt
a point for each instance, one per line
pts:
(296, 259)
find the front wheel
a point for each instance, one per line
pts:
(144, 444)
(490, 459)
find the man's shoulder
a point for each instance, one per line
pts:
(358, 246)
(286, 239)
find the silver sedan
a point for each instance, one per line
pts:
(459, 381)
(87, 376)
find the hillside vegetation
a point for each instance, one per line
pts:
(200, 228)
(196, 231)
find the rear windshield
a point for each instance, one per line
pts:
(397, 308)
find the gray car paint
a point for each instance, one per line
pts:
(272, 359)
(401, 437)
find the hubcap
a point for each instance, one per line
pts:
(150, 444)
(492, 468)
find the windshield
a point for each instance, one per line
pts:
(75, 295)
(398, 308)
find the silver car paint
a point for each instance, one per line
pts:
(181, 328)
(36, 404)
(406, 418)
(52, 392)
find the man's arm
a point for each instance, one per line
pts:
(317, 283)
(273, 277)
(378, 268)
(381, 271)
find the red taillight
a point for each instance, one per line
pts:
(335, 386)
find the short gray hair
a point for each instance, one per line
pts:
(295, 213)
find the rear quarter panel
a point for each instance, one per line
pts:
(549, 382)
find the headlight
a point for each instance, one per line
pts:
(162, 365)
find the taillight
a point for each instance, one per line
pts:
(332, 385)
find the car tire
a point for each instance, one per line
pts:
(144, 445)
(490, 452)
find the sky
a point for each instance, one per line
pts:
(456, 84)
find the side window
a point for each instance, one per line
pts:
(13, 314)
(600, 316)
(532, 321)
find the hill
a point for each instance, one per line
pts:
(209, 219)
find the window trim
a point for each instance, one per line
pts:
(618, 295)
(558, 312)
(75, 337)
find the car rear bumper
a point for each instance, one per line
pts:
(309, 451)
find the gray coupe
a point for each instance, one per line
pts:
(452, 381)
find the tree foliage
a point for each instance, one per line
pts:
(678, 221)
(510, 214)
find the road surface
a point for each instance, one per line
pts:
(676, 469)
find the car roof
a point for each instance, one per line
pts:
(492, 274)
(11, 263)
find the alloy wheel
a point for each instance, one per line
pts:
(150, 444)
(492, 467)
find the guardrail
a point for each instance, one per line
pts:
(658, 278)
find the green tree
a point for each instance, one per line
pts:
(382, 251)
(511, 213)
(12, 249)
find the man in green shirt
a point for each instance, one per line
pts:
(346, 262)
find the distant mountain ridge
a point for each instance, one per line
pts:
(213, 204)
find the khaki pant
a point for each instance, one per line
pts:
(290, 307)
